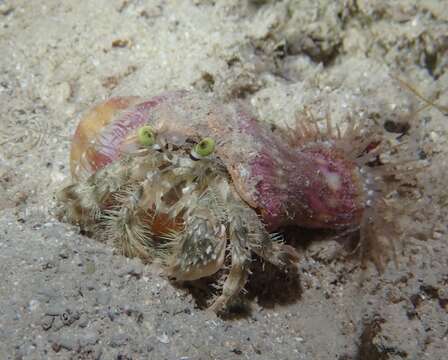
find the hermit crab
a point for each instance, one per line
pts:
(199, 186)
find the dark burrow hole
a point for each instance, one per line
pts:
(396, 127)
(431, 63)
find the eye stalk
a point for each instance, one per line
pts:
(146, 136)
(203, 149)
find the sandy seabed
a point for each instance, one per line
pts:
(65, 296)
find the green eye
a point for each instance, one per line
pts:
(205, 147)
(146, 136)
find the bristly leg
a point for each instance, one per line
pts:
(84, 202)
(235, 281)
(80, 205)
(247, 234)
(125, 224)
(250, 230)
(198, 249)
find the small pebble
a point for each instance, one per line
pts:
(55, 309)
(118, 340)
(83, 322)
(65, 342)
(121, 43)
(163, 339)
(47, 322)
(33, 305)
(133, 269)
(57, 324)
(64, 253)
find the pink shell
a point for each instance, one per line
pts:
(314, 186)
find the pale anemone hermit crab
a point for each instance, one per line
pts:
(195, 185)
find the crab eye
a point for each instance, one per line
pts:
(146, 136)
(204, 148)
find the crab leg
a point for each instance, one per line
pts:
(197, 250)
(268, 246)
(84, 200)
(239, 270)
(125, 224)
(247, 235)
